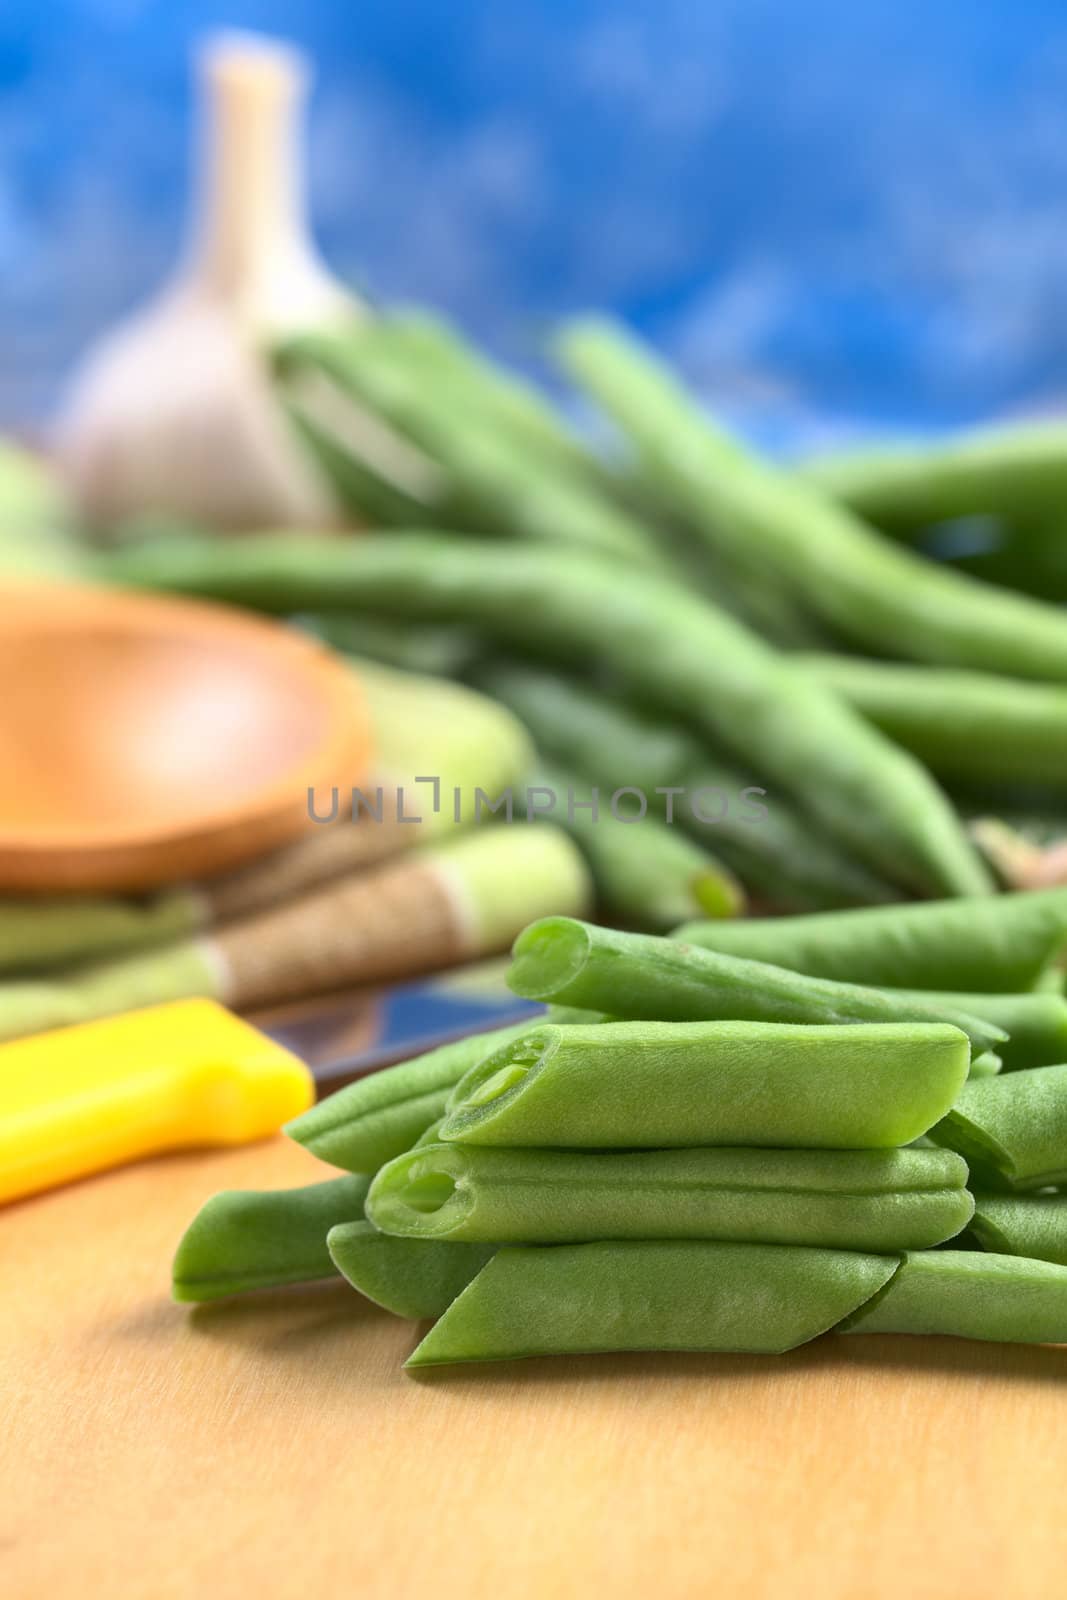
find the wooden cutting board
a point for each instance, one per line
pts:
(272, 1448)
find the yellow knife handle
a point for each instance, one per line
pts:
(83, 1099)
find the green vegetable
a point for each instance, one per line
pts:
(1013, 471)
(1000, 944)
(628, 1295)
(655, 1085)
(972, 1296)
(642, 977)
(1035, 1023)
(773, 848)
(670, 645)
(1032, 1225)
(367, 1123)
(847, 1199)
(411, 1277)
(250, 1239)
(1011, 1130)
(987, 1065)
(44, 932)
(645, 871)
(962, 725)
(871, 590)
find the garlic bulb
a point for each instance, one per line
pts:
(174, 411)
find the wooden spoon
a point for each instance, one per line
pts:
(145, 740)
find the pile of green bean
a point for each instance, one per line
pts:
(698, 1148)
(787, 630)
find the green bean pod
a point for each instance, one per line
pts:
(1033, 1225)
(659, 1085)
(413, 1278)
(996, 944)
(247, 1239)
(1011, 1130)
(987, 1065)
(871, 590)
(639, 976)
(843, 1199)
(1019, 470)
(686, 656)
(662, 1295)
(962, 725)
(761, 835)
(1035, 1022)
(645, 871)
(367, 1123)
(970, 1295)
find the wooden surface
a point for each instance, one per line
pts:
(273, 1447)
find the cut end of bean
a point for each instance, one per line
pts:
(498, 1078)
(420, 1195)
(547, 956)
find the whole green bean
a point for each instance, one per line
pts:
(962, 725)
(1033, 1225)
(1000, 944)
(844, 1199)
(413, 1278)
(1017, 470)
(247, 1239)
(774, 849)
(872, 590)
(1035, 1022)
(688, 657)
(1012, 1130)
(643, 977)
(489, 480)
(660, 1085)
(970, 1295)
(379, 1116)
(661, 1295)
(645, 871)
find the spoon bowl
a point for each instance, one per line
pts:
(146, 740)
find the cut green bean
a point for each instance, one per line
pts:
(962, 725)
(773, 848)
(1012, 1130)
(639, 976)
(868, 588)
(1032, 1225)
(413, 1278)
(843, 1199)
(367, 1123)
(644, 870)
(970, 1295)
(1035, 1022)
(659, 1085)
(987, 1065)
(628, 1295)
(996, 944)
(247, 1239)
(668, 644)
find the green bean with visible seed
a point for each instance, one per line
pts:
(678, 1085)
(379, 1116)
(843, 1199)
(676, 648)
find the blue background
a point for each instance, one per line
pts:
(836, 216)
